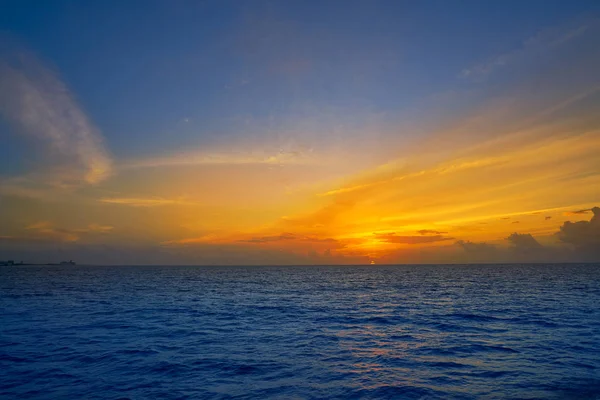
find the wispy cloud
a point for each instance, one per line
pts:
(445, 168)
(430, 232)
(286, 237)
(458, 191)
(38, 104)
(97, 228)
(543, 40)
(191, 158)
(578, 212)
(393, 238)
(46, 230)
(289, 241)
(274, 238)
(146, 201)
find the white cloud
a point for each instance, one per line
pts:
(544, 40)
(38, 104)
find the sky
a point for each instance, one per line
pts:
(299, 132)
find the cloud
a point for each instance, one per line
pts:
(542, 41)
(98, 228)
(285, 237)
(472, 247)
(38, 104)
(523, 248)
(584, 236)
(480, 71)
(393, 238)
(579, 241)
(348, 189)
(547, 218)
(266, 239)
(480, 252)
(146, 202)
(46, 230)
(430, 232)
(192, 158)
(283, 248)
(290, 243)
(578, 212)
(398, 171)
(524, 243)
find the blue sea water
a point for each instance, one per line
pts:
(397, 332)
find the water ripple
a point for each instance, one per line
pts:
(408, 332)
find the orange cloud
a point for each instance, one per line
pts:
(393, 238)
(146, 202)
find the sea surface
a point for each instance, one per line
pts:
(380, 332)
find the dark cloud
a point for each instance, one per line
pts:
(430, 232)
(524, 243)
(548, 217)
(393, 238)
(580, 242)
(473, 247)
(505, 218)
(515, 222)
(479, 252)
(583, 236)
(523, 248)
(579, 212)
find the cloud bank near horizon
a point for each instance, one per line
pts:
(575, 242)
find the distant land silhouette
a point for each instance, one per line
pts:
(12, 262)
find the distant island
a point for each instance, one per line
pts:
(13, 263)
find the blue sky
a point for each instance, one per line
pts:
(141, 69)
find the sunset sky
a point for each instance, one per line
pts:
(299, 132)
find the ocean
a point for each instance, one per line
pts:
(313, 332)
